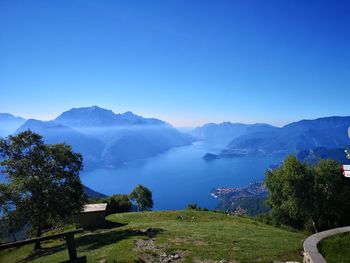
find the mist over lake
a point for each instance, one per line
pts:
(180, 175)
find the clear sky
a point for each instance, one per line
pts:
(184, 61)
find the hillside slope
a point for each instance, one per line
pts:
(191, 235)
(312, 156)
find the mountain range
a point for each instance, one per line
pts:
(314, 155)
(95, 116)
(106, 139)
(227, 131)
(54, 132)
(328, 132)
(309, 139)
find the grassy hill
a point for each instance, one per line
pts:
(189, 236)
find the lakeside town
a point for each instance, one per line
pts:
(242, 200)
(255, 189)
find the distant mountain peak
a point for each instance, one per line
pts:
(38, 125)
(98, 109)
(6, 115)
(108, 139)
(90, 109)
(10, 117)
(132, 118)
(95, 116)
(9, 124)
(323, 120)
(128, 113)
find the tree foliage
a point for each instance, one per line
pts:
(142, 196)
(312, 196)
(42, 181)
(117, 203)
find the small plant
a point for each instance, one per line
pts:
(194, 206)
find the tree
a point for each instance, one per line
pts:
(331, 192)
(120, 204)
(312, 196)
(43, 184)
(288, 188)
(142, 196)
(10, 224)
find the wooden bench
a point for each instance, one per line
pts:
(68, 236)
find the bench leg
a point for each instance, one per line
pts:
(71, 248)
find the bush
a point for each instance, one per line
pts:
(194, 206)
(117, 203)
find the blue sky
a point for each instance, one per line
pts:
(183, 61)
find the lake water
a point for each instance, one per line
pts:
(180, 176)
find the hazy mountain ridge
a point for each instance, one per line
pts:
(92, 194)
(95, 116)
(227, 131)
(328, 132)
(9, 123)
(143, 143)
(108, 139)
(53, 132)
(314, 155)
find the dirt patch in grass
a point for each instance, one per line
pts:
(150, 252)
(145, 245)
(213, 261)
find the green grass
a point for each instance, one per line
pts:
(198, 236)
(335, 249)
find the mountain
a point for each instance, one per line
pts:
(126, 136)
(53, 132)
(108, 139)
(329, 132)
(95, 116)
(314, 155)
(92, 194)
(142, 142)
(227, 131)
(9, 124)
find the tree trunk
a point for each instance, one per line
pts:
(314, 225)
(37, 243)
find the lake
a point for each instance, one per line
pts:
(180, 176)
